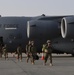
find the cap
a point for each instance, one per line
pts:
(29, 42)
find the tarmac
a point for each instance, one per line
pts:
(63, 64)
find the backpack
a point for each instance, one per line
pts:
(36, 57)
(44, 47)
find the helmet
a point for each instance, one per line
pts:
(32, 41)
(48, 41)
(29, 42)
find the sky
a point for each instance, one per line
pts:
(36, 7)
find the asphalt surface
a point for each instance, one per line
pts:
(62, 65)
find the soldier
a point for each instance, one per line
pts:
(28, 50)
(19, 52)
(5, 51)
(48, 52)
(33, 52)
(0, 50)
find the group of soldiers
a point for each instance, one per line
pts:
(31, 52)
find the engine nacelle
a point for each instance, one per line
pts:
(67, 27)
(42, 29)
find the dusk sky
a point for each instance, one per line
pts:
(36, 7)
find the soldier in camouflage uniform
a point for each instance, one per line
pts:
(31, 51)
(0, 50)
(19, 52)
(47, 52)
(5, 51)
(28, 52)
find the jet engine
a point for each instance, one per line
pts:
(67, 27)
(42, 29)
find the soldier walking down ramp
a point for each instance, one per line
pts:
(47, 52)
(19, 52)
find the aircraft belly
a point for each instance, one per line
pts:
(64, 47)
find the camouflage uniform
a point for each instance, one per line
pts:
(47, 52)
(28, 52)
(31, 50)
(5, 51)
(1, 51)
(19, 52)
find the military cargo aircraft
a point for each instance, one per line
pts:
(19, 30)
